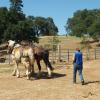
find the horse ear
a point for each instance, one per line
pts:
(12, 41)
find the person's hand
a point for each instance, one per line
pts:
(73, 62)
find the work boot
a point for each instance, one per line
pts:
(74, 82)
(82, 82)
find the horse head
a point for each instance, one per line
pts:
(11, 45)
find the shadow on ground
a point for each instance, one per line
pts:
(90, 82)
(44, 75)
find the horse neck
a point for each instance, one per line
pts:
(11, 48)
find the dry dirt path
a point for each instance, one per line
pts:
(58, 88)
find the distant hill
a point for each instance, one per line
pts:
(66, 41)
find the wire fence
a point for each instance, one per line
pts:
(61, 54)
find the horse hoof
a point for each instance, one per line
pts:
(39, 75)
(52, 69)
(24, 75)
(13, 74)
(32, 74)
(28, 78)
(18, 76)
(49, 76)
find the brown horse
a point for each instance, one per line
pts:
(20, 52)
(42, 54)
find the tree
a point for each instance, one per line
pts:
(16, 5)
(53, 30)
(15, 25)
(3, 21)
(94, 30)
(19, 28)
(21, 31)
(83, 23)
(76, 25)
(15, 11)
(44, 26)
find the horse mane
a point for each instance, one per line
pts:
(25, 43)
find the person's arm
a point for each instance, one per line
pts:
(74, 58)
(82, 58)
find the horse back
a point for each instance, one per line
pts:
(26, 51)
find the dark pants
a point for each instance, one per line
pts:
(78, 68)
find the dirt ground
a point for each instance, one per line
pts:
(60, 87)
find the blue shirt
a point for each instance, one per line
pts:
(78, 59)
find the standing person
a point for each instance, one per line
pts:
(78, 65)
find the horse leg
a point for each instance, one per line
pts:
(26, 62)
(39, 66)
(48, 67)
(28, 71)
(46, 58)
(25, 65)
(17, 69)
(14, 62)
(14, 72)
(47, 63)
(31, 61)
(32, 69)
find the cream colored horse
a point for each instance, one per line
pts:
(39, 53)
(19, 52)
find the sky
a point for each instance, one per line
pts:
(59, 10)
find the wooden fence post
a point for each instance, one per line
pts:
(52, 54)
(59, 52)
(95, 53)
(88, 54)
(68, 55)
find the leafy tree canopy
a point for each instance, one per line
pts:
(84, 22)
(15, 25)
